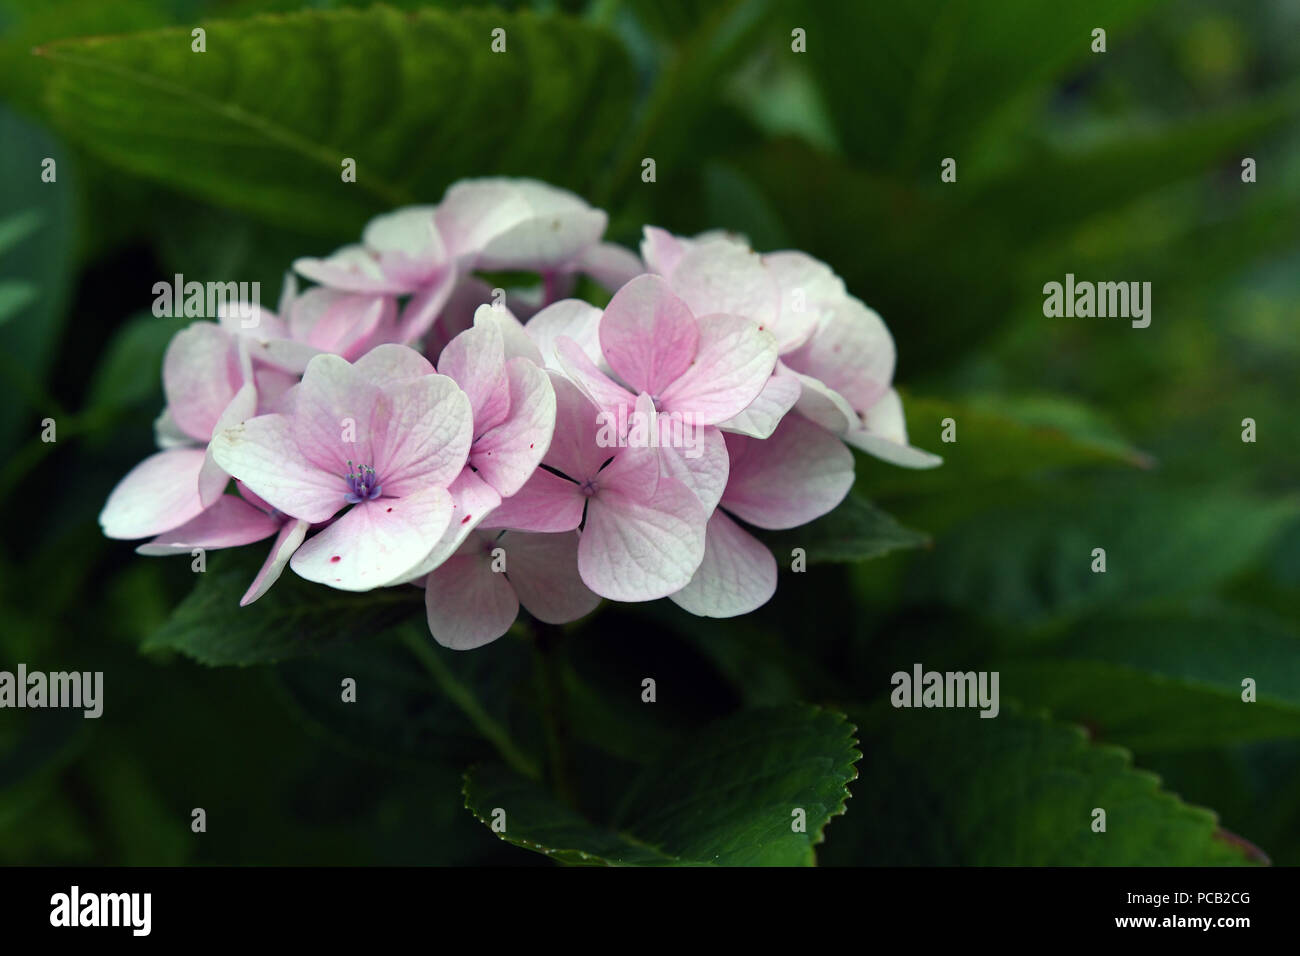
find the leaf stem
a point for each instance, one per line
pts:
(551, 698)
(464, 698)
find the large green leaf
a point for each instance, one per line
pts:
(946, 787)
(1169, 678)
(294, 619)
(1033, 561)
(726, 799)
(909, 83)
(263, 119)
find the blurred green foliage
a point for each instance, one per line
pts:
(1072, 434)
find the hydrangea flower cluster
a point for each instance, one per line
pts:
(401, 422)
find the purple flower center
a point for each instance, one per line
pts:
(588, 487)
(363, 484)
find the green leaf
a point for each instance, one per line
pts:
(263, 120)
(1031, 562)
(726, 799)
(294, 619)
(945, 787)
(938, 74)
(130, 372)
(15, 295)
(401, 710)
(855, 531)
(1168, 678)
(999, 438)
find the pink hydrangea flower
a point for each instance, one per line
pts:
(386, 436)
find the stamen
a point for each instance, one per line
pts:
(363, 484)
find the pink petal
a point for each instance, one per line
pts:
(351, 269)
(601, 391)
(286, 543)
(229, 523)
(851, 352)
(573, 318)
(737, 575)
(543, 568)
(661, 250)
(422, 434)
(160, 493)
(212, 479)
(200, 376)
(336, 412)
(637, 546)
(506, 455)
(473, 500)
(610, 265)
(884, 434)
(407, 244)
(574, 451)
(423, 308)
(648, 335)
(703, 467)
(262, 453)
(476, 359)
(808, 289)
(546, 502)
(376, 542)
(763, 414)
(514, 338)
(388, 364)
(721, 276)
(733, 364)
(823, 405)
(800, 473)
(467, 603)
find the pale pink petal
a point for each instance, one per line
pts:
(808, 289)
(648, 335)
(351, 269)
(574, 449)
(661, 250)
(274, 386)
(601, 391)
(331, 321)
(737, 575)
(160, 493)
(422, 434)
(212, 478)
(228, 523)
(545, 503)
(763, 414)
(734, 362)
(467, 603)
(544, 571)
(638, 545)
(572, 318)
(388, 364)
(167, 434)
(514, 338)
(800, 473)
(376, 542)
(884, 435)
(506, 455)
(262, 454)
(823, 405)
(610, 265)
(721, 276)
(424, 307)
(476, 359)
(697, 457)
(500, 223)
(337, 410)
(407, 244)
(286, 543)
(473, 500)
(851, 352)
(200, 376)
